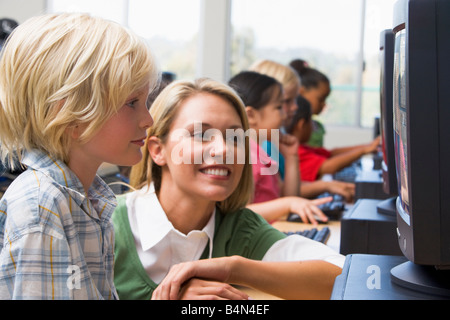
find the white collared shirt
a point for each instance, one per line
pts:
(158, 243)
(160, 246)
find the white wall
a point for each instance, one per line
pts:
(21, 10)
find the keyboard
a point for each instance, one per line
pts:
(321, 235)
(348, 174)
(333, 209)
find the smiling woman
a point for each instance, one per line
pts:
(177, 135)
(186, 211)
(192, 178)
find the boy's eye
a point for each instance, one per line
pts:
(132, 103)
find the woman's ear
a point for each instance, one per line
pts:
(156, 151)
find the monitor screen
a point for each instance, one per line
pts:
(388, 169)
(386, 112)
(400, 122)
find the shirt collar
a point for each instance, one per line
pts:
(153, 224)
(100, 194)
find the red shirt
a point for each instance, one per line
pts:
(311, 159)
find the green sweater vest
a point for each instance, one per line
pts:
(242, 233)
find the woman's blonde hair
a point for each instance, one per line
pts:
(165, 109)
(286, 75)
(63, 70)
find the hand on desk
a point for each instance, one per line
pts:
(308, 211)
(217, 269)
(199, 289)
(345, 189)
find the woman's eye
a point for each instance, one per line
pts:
(235, 139)
(198, 136)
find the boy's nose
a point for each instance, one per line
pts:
(147, 120)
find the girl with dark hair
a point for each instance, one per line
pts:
(273, 198)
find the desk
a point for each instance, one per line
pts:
(368, 277)
(286, 226)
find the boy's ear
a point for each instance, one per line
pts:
(74, 131)
(156, 151)
(252, 115)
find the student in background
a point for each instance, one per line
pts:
(273, 198)
(315, 87)
(189, 206)
(314, 161)
(288, 79)
(73, 95)
(291, 85)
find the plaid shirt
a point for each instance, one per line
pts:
(56, 241)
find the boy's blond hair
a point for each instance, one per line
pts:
(64, 70)
(164, 111)
(286, 75)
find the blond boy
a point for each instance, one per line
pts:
(73, 91)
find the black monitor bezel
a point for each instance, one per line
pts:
(422, 238)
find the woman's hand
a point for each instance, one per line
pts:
(199, 289)
(218, 269)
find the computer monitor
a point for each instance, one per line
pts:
(388, 168)
(421, 136)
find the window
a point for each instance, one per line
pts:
(379, 16)
(170, 26)
(327, 34)
(109, 9)
(335, 37)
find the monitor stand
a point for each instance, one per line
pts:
(387, 207)
(425, 279)
(365, 230)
